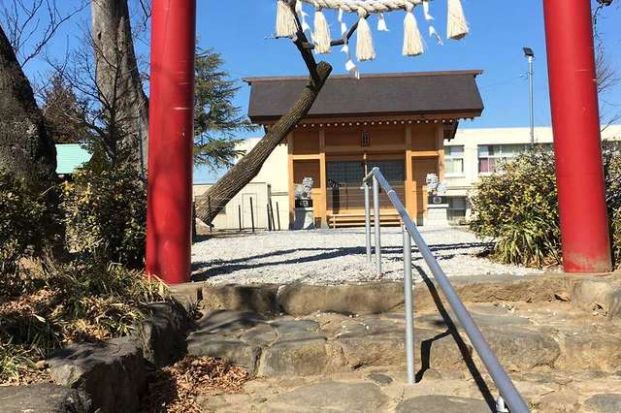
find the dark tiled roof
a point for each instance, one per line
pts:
(386, 94)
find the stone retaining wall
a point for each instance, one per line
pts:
(108, 377)
(367, 298)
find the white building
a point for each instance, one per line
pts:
(475, 152)
(470, 154)
(270, 186)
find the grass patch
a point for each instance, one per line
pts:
(45, 306)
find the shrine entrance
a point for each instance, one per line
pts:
(344, 197)
(575, 115)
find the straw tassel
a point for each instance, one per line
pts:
(285, 20)
(322, 35)
(364, 41)
(412, 40)
(457, 24)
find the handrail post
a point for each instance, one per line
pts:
(367, 219)
(376, 213)
(510, 396)
(409, 304)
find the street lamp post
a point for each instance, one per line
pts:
(530, 55)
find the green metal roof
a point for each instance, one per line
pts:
(70, 157)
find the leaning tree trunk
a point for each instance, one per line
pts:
(118, 76)
(216, 198)
(26, 150)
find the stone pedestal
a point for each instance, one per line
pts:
(437, 216)
(304, 219)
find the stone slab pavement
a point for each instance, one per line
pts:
(385, 391)
(562, 359)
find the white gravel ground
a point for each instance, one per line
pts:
(333, 257)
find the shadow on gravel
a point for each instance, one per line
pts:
(203, 270)
(463, 347)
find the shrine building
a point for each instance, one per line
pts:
(397, 122)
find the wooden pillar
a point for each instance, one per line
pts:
(323, 184)
(440, 148)
(410, 194)
(291, 182)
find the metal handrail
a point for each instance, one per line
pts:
(507, 389)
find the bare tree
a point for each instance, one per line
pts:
(608, 78)
(607, 74)
(100, 112)
(117, 75)
(31, 24)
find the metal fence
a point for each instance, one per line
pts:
(508, 391)
(244, 214)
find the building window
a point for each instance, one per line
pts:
(492, 156)
(454, 160)
(343, 173)
(393, 170)
(457, 208)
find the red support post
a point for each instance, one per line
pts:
(171, 113)
(577, 141)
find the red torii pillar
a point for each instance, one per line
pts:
(577, 140)
(171, 113)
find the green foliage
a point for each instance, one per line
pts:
(216, 118)
(23, 213)
(612, 166)
(518, 208)
(105, 215)
(46, 306)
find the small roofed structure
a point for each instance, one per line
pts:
(397, 122)
(70, 157)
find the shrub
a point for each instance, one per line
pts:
(23, 218)
(518, 208)
(46, 306)
(105, 215)
(612, 166)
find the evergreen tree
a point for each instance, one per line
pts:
(64, 116)
(216, 118)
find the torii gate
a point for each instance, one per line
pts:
(575, 119)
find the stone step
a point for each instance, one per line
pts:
(525, 338)
(380, 297)
(357, 220)
(558, 338)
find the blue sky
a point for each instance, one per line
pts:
(240, 31)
